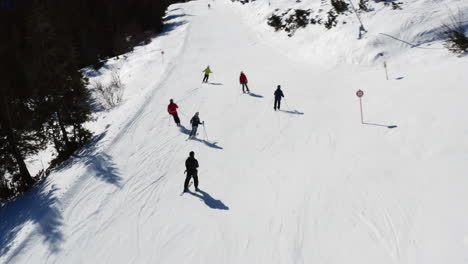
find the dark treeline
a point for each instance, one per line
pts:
(43, 96)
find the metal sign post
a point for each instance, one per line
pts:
(359, 94)
(386, 71)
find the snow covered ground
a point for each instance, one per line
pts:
(395, 33)
(309, 184)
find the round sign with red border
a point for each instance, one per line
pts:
(359, 93)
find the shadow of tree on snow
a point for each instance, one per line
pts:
(38, 207)
(105, 169)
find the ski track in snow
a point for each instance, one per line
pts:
(309, 184)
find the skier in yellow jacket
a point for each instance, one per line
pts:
(207, 72)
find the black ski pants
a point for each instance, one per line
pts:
(244, 86)
(277, 103)
(205, 79)
(176, 119)
(191, 174)
(193, 133)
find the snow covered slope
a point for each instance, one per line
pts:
(415, 26)
(309, 184)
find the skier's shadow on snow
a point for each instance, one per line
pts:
(210, 201)
(255, 95)
(184, 130)
(209, 144)
(212, 83)
(293, 112)
(39, 207)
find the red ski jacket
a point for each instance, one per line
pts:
(172, 109)
(243, 78)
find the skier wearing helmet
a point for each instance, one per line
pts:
(243, 81)
(191, 166)
(195, 121)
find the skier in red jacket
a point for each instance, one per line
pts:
(243, 81)
(172, 109)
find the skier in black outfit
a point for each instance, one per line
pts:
(278, 95)
(195, 121)
(191, 166)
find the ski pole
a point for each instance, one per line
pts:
(204, 132)
(287, 105)
(204, 129)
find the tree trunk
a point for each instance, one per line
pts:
(64, 133)
(54, 132)
(25, 176)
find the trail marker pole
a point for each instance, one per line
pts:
(359, 94)
(386, 71)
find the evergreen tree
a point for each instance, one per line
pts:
(43, 96)
(340, 6)
(363, 5)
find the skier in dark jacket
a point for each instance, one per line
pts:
(172, 110)
(195, 121)
(243, 81)
(278, 95)
(191, 166)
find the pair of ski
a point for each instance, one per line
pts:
(190, 137)
(190, 184)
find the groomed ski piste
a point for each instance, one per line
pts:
(308, 184)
